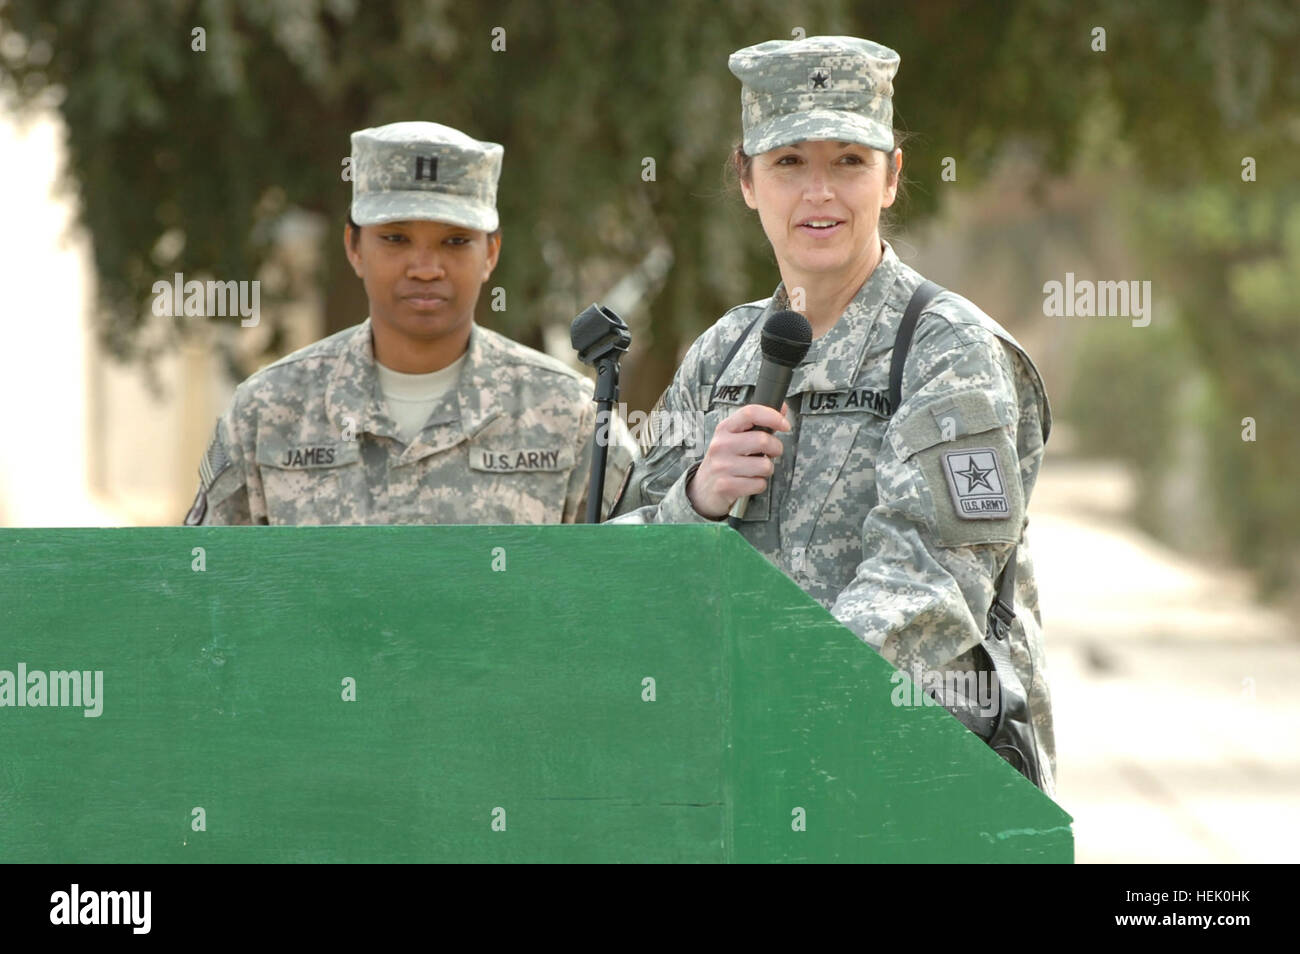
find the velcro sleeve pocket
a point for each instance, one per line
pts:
(961, 450)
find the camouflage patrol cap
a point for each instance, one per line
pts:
(424, 171)
(820, 87)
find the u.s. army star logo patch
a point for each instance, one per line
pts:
(819, 79)
(975, 480)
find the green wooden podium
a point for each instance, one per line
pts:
(412, 694)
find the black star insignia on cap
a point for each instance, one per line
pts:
(820, 79)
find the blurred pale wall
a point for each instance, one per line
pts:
(89, 441)
(44, 478)
(89, 444)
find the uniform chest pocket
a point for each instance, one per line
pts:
(519, 484)
(312, 482)
(512, 460)
(963, 446)
(833, 490)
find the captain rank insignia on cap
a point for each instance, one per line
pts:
(421, 170)
(426, 167)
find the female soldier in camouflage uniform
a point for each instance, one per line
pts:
(899, 520)
(417, 414)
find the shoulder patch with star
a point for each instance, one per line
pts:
(975, 482)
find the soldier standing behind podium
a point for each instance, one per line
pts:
(417, 415)
(875, 511)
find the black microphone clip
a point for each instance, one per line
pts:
(601, 338)
(598, 333)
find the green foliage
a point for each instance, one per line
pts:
(1137, 421)
(215, 146)
(1238, 287)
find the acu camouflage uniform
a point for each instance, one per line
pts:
(897, 520)
(859, 511)
(308, 440)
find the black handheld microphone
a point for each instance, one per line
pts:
(787, 336)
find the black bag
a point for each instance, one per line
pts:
(1010, 730)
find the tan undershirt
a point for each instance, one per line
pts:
(410, 397)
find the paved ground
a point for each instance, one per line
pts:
(1175, 694)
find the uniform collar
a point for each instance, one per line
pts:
(353, 394)
(835, 358)
(479, 394)
(353, 400)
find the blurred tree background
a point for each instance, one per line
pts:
(194, 161)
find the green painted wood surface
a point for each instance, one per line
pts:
(475, 690)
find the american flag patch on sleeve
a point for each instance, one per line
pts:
(214, 462)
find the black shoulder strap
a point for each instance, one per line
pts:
(726, 362)
(923, 295)
(1002, 613)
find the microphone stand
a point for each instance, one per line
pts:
(601, 338)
